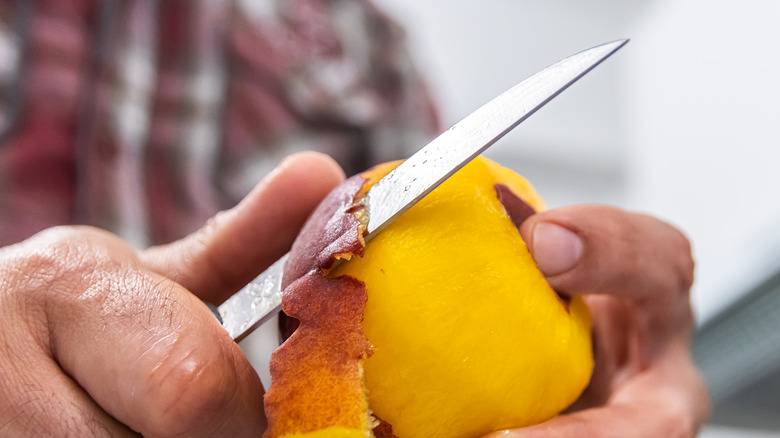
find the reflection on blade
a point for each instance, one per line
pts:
(258, 301)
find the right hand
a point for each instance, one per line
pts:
(99, 339)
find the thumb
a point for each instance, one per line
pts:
(591, 249)
(237, 244)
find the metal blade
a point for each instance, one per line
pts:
(257, 302)
(424, 171)
(447, 153)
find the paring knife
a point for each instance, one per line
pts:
(391, 196)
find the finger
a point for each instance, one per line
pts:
(238, 244)
(36, 398)
(146, 350)
(44, 402)
(669, 400)
(605, 250)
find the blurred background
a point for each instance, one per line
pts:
(682, 123)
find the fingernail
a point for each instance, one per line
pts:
(555, 248)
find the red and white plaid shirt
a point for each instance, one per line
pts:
(145, 117)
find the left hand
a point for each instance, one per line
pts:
(635, 273)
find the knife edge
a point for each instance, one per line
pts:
(449, 152)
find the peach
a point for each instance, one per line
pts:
(440, 326)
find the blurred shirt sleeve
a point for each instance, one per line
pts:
(146, 117)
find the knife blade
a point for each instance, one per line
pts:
(418, 175)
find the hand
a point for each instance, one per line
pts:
(101, 340)
(635, 273)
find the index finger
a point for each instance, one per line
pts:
(143, 348)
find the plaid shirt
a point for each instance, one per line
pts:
(145, 117)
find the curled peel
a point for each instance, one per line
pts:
(317, 373)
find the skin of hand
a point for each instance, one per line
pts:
(635, 273)
(100, 339)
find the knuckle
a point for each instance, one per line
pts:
(683, 266)
(219, 278)
(675, 251)
(212, 227)
(69, 270)
(189, 391)
(677, 425)
(47, 260)
(215, 222)
(683, 262)
(63, 251)
(687, 264)
(680, 415)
